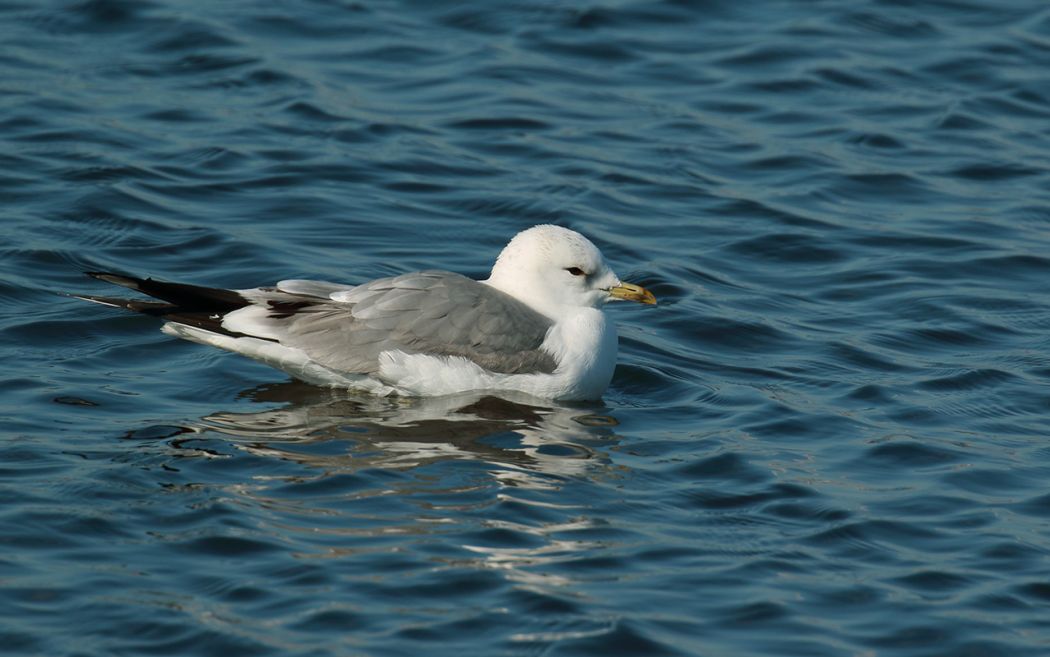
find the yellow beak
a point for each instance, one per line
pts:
(631, 292)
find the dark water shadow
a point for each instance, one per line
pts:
(335, 429)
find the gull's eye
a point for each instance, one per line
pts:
(575, 271)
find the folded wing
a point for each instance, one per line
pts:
(347, 328)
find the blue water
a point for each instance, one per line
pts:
(831, 438)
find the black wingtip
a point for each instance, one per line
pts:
(189, 298)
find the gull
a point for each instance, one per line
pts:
(536, 325)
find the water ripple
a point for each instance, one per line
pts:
(827, 439)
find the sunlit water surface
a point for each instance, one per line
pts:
(829, 439)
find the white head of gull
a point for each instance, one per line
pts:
(535, 326)
(554, 270)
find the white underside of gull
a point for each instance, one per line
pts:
(583, 342)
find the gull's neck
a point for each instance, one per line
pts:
(533, 296)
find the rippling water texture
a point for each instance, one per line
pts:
(831, 437)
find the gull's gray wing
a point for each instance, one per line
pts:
(430, 312)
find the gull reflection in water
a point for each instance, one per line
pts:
(521, 433)
(529, 449)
